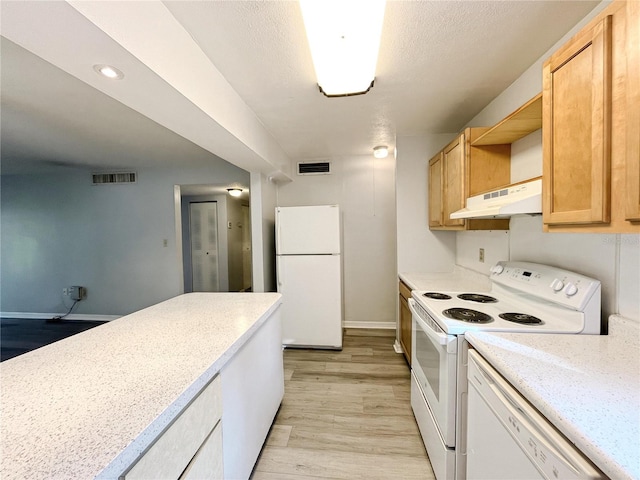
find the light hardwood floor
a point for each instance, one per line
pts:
(345, 415)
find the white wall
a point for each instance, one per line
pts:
(59, 230)
(419, 249)
(612, 259)
(364, 187)
(263, 220)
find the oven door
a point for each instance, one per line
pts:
(433, 362)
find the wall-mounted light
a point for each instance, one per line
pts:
(109, 72)
(381, 151)
(234, 191)
(344, 38)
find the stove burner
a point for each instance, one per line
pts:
(467, 315)
(521, 318)
(437, 296)
(476, 297)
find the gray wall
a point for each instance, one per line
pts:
(59, 230)
(364, 187)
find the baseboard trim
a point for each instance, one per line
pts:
(379, 325)
(74, 316)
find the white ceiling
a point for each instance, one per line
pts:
(440, 63)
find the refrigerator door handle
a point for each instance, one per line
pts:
(279, 273)
(277, 234)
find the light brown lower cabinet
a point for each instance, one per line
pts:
(405, 320)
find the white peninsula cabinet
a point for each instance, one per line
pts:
(224, 427)
(185, 389)
(192, 443)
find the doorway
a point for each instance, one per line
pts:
(213, 239)
(203, 227)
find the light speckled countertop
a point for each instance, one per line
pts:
(588, 386)
(459, 280)
(68, 409)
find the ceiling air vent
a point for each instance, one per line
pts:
(110, 178)
(314, 168)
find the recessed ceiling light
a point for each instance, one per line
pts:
(381, 151)
(109, 72)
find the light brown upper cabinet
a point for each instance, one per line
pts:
(585, 112)
(461, 170)
(633, 112)
(435, 191)
(453, 195)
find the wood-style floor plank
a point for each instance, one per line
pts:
(341, 464)
(345, 415)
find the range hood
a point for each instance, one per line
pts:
(521, 198)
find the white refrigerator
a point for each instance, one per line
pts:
(309, 271)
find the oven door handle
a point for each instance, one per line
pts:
(439, 338)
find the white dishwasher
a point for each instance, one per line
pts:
(508, 439)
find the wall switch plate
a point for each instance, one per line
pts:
(481, 255)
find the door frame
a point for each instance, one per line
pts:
(183, 244)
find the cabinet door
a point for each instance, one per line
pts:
(633, 112)
(435, 191)
(453, 181)
(577, 129)
(405, 321)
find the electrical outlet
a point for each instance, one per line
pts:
(76, 292)
(481, 255)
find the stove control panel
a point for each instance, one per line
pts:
(549, 283)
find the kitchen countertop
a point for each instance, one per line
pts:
(459, 280)
(70, 408)
(588, 386)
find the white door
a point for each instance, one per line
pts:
(203, 222)
(311, 288)
(308, 230)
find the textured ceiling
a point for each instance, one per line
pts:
(440, 63)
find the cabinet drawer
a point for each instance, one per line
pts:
(173, 450)
(208, 461)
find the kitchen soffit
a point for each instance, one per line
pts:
(440, 63)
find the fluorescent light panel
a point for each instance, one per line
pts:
(344, 37)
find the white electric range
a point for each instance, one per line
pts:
(524, 297)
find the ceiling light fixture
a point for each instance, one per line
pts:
(344, 38)
(381, 151)
(234, 191)
(109, 72)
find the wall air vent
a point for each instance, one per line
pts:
(110, 178)
(314, 168)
